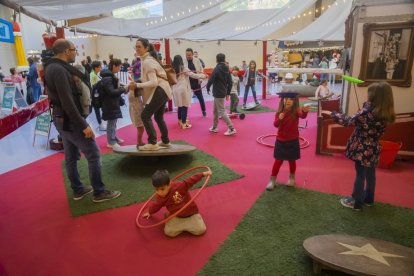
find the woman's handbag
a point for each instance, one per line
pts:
(171, 75)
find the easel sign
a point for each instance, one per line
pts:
(9, 93)
(43, 124)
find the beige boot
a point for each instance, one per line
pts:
(272, 183)
(292, 181)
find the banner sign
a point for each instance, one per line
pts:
(6, 31)
(43, 124)
(8, 97)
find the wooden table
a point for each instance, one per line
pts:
(359, 255)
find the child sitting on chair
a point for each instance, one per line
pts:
(235, 90)
(323, 91)
(174, 195)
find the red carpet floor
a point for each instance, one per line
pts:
(38, 236)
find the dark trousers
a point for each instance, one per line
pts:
(157, 108)
(199, 95)
(234, 101)
(74, 142)
(182, 114)
(98, 114)
(360, 195)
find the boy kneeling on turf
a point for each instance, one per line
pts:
(174, 195)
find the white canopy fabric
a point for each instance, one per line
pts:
(330, 26)
(248, 25)
(64, 10)
(263, 31)
(164, 29)
(182, 20)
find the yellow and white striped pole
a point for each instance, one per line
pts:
(18, 43)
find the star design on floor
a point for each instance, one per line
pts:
(369, 251)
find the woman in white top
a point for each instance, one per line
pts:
(323, 91)
(182, 90)
(156, 93)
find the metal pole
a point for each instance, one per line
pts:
(168, 61)
(264, 43)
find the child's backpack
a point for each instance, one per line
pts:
(97, 94)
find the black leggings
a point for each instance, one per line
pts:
(157, 108)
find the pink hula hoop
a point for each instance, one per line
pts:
(303, 142)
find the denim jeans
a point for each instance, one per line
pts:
(98, 114)
(111, 132)
(360, 195)
(157, 108)
(246, 93)
(74, 142)
(220, 111)
(199, 95)
(37, 91)
(182, 114)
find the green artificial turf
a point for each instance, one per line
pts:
(269, 239)
(132, 176)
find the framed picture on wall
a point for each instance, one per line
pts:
(388, 53)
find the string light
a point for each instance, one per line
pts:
(273, 21)
(196, 9)
(81, 36)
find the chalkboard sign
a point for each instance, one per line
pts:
(43, 124)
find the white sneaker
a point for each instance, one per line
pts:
(149, 147)
(270, 186)
(112, 146)
(230, 132)
(162, 144)
(102, 127)
(213, 129)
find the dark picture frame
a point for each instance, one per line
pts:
(388, 53)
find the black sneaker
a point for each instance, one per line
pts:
(106, 195)
(79, 196)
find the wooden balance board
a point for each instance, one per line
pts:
(251, 106)
(175, 149)
(359, 255)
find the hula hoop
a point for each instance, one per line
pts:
(201, 88)
(182, 208)
(303, 142)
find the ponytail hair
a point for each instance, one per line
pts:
(150, 47)
(114, 62)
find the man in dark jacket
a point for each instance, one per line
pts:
(77, 135)
(222, 83)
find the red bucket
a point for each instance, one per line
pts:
(388, 153)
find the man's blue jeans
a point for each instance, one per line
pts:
(360, 195)
(74, 142)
